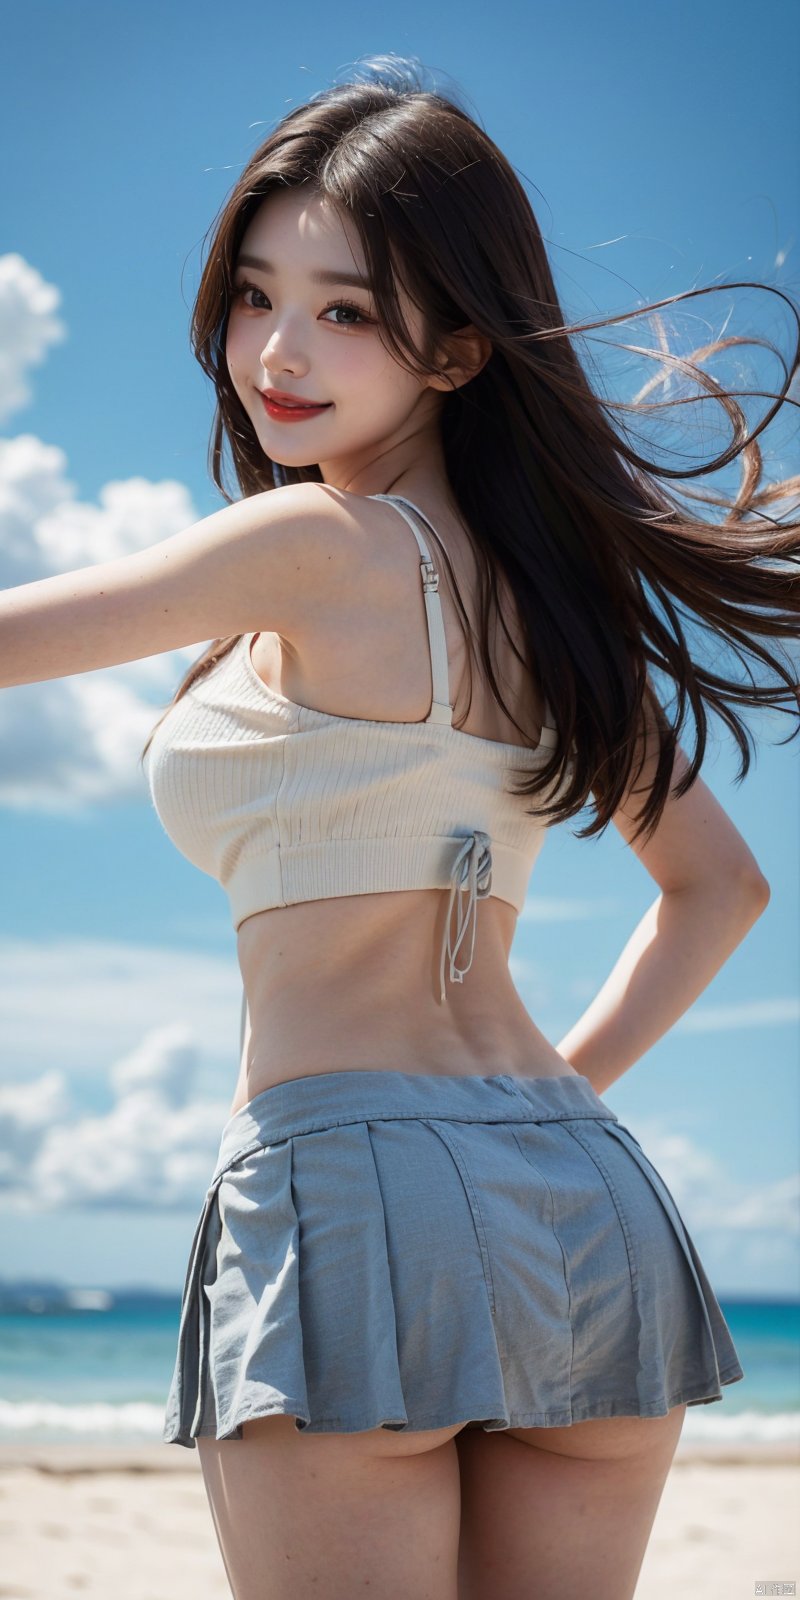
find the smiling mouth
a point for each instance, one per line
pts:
(295, 405)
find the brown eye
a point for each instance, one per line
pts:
(346, 305)
(243, 289)
(249, 288)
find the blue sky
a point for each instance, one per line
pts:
(660, 149)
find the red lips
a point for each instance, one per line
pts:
(279, 397)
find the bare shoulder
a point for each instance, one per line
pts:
(271, 560)
(347, 570)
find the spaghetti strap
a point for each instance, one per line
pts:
(548, 725)
(441, 709)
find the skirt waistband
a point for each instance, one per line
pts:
(331, 1099)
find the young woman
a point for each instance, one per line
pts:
(442, 1318)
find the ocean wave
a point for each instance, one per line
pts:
(48, 1420)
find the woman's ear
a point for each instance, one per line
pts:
(467, 353)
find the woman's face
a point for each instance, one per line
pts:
(289, 331)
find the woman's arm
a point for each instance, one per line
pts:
(712, 891)
(272, 561)
(680, 944)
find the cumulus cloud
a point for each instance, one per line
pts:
(708, 1197)
(27, 1111)
(132, 514)
(98, 991)
(72, 742)
(153, 1150)
(28, 327)
(33, 483)
(158, 1100)
(45, 528)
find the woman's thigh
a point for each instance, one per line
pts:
(301, 1515)
(561, 1511)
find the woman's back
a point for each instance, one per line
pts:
(351, 981)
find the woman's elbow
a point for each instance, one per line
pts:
(754, 886)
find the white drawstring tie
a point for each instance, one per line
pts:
(472, 869)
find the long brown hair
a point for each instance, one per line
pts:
(604, 561)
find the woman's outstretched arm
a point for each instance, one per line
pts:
(268, 562)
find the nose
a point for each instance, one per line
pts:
(276, 355)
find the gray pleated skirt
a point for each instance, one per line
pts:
(403, 1250)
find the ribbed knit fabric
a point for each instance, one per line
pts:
(282, 803)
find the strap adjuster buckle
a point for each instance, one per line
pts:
(430, 577)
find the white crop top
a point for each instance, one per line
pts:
(282, 803)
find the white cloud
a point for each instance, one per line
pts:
(769, 1013)
(45, 528)
(773, 1209)
(568, 908)
(132, 515)
(709, 1199)
(33, 483)
(73, 742)
(152, 1150)
(80, 1002)
(27, 1110)
(161, 1063)
(28, 327)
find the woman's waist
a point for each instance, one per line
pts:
(308, 1013)
(370, 944)
(282, 1063)
(352, 969)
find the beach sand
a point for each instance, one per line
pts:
(133, 1523)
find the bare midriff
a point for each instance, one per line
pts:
(351, 984)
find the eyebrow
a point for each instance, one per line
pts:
(322, 276)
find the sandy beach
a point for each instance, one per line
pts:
(133, 1522)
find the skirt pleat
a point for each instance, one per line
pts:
(412, 1251)
(663, 1342)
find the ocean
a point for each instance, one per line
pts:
(95, 1365)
